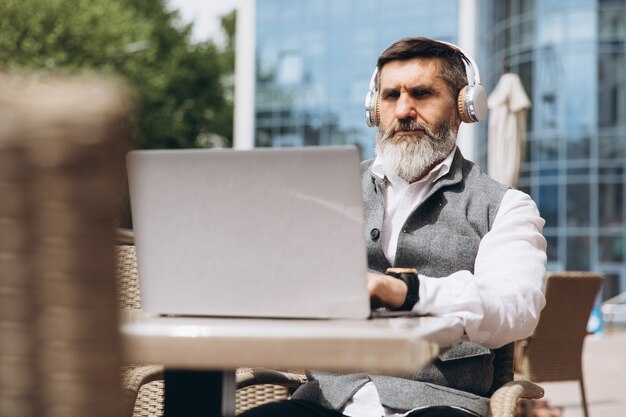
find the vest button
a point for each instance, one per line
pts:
(375, 234)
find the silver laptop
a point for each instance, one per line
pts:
(275, 232)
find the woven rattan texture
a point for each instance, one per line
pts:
(127, 278)
(504, 401)
(255, 395)
(150, 400)
(554, 351)
(149, 396)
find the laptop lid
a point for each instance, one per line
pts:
(269, 232)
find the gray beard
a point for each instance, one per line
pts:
(411, 157)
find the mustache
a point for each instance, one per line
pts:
(407, 125)
(410, 125)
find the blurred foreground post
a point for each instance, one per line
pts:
(61, 156)
(18, 377)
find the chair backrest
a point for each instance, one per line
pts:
(128, 295)
(554, 351)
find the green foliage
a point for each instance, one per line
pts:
(184, 90)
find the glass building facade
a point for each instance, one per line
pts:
(315, 59)
(571, 57)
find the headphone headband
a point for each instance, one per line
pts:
(468, 59)
(472, 100)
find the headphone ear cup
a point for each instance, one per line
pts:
(478, 101)
(472, 103)
(461, 107)
(371, 108)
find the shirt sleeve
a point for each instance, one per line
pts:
(501, 301)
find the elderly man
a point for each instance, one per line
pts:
(476, 246)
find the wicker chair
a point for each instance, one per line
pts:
(554, 352)
(505, 393)
(143, 385)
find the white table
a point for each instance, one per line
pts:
(202, 353)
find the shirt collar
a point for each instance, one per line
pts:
(441, 169)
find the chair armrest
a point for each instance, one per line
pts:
(255, 376)
(133, 378)
(518, 355)
(504, 400)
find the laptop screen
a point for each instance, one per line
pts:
(266, 232)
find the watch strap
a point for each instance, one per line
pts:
(410, 278)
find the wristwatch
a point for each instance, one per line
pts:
(409, 276)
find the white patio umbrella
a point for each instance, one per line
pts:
(508, 107)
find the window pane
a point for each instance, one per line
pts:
(553, 248)
(611, 146)
(578, 253)
(612, 23)
(547, 149)
(578, 205)
(610, 286)
(579, 148)
(577, 171)
(549, 204)
(611, 248)
(611, 89)
(610, 205)
(611, 170)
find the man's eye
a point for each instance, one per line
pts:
(420, 93)
(391, 95)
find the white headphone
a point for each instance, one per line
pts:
(471, 102)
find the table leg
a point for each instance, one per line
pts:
(191, 393)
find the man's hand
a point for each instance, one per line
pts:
(386, 291)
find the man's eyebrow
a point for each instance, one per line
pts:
(389, 90)
(418, 89)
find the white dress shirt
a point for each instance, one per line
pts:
(498, 303)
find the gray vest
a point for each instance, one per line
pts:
(441, 236)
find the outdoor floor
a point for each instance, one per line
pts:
(604, 362)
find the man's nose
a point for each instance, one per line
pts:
(405, 108)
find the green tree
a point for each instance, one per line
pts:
(183, 89)
(224, 118)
